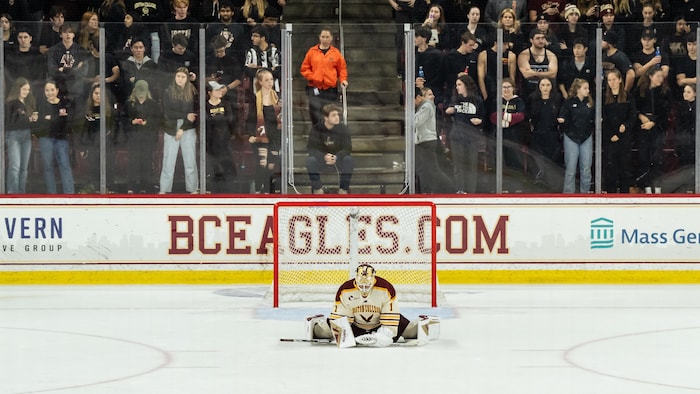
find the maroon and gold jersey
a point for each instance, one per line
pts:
(379, 308)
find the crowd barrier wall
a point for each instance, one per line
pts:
(224, 240)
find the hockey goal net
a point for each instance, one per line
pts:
(318, 245)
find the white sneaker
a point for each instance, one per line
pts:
(317, 191)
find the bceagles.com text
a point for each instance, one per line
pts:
(42, 247)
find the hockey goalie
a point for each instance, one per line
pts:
(366, 313)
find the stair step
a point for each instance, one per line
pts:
(359, 128)
(376, 144)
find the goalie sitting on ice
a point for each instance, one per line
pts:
(366, 313)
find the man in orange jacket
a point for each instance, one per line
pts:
(324, 67)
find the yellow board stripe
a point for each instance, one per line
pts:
(265, 277)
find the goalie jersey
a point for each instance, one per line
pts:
(378, 308)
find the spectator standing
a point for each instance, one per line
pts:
(180, 114)
(536, 62)
(225, 27)
(220, 122)
(648, 56)
(619, 119)
(224, 69)
(142, 122)
(138, 67)
(542, 109)
(264, 118)
(685, 132)
(431, 179)
(653, 97)
(151, 13)
(330, 148)
(468, 114)
(579, 66)
(462, 59)
(616, 58)
(179, 56)
(66, 62)
(112, 13)
(181, 22)
(53, 127)
(51, 32)
(685, 66)
(262, 55)
(440, 33)
(512, 117)
(324, 68)
(20, 114)
(549, 10)
(572, 32)
(25, 61)
(89, 137)
(89, 28)
(576, 120)
(494, 9)
(429, 67)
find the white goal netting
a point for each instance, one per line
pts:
(319, 244)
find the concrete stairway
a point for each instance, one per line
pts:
(375, 116)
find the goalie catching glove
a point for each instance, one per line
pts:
(380, 338)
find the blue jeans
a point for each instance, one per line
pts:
(19, 147)
(58, 148)
(581, 154)
(188, 143)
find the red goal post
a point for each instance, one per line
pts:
(318, 244)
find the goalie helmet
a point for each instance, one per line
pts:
(364, 278)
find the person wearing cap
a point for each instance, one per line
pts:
(572, 31)
(607, 17)
(550, 36)
(550, 10)
(142, 116)
(615, 58)
(648, 57)
(220, 126)
(224, 68)
(536, 62)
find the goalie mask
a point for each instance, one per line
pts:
(364, 279)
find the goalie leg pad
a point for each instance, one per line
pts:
(428, 328)
(317, 328)
(342, 332)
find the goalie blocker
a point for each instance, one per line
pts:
(366, 313)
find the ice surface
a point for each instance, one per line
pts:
(223, 339)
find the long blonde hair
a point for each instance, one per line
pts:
(516, 22)
(260, 118)
(247, 8)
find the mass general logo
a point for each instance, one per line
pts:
(602, 233)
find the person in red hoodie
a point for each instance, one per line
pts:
(324, 67)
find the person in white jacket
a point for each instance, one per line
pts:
(431, 178)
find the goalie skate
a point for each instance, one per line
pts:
(428, 328)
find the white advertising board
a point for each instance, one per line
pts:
(228, 231)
